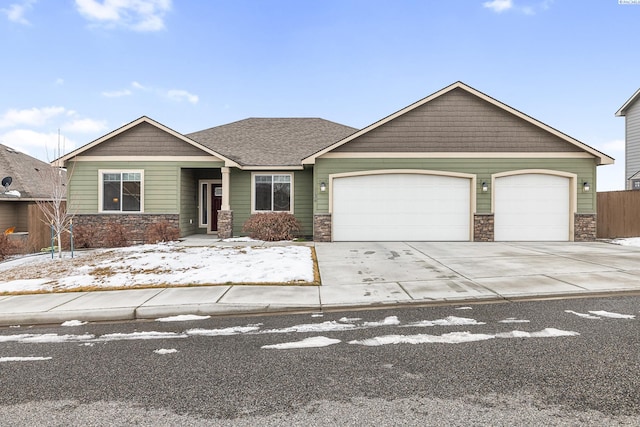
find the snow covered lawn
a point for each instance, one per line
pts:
(158, 265)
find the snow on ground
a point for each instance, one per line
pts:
(312, 342)
(629, 241)
(612, 315)
(160, 264)
(447, 321)
(514, 320)
(73, 323)
(23, 359)
(182, 318)
(165, 351)
(599, 314)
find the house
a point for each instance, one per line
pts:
(631, 113)
(28, 183)
(457, 165)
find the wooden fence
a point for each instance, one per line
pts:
(618, 214)
(39, 228)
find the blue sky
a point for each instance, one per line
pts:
(86, 67)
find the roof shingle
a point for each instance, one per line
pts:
(271, 141)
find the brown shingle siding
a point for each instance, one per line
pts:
(458, 121)
(144, 139)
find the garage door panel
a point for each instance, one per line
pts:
(532, 207)
(393, 207)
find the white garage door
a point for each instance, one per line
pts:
(393, 207)
(531, 207)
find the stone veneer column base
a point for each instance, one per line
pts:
(225, 224)
(584, 227)
(322, 227)
(483, 227)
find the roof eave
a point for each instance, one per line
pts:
(622, 111)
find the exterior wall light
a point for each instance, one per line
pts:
(323, 187)
(485, 187)
(586, 187)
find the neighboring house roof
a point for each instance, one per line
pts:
(134, 123)
(27, 173)
(264, 142)
(623, 110)
(601, 157)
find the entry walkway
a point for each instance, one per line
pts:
(366, 275)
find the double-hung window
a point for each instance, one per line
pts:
(272, 193)
(121, 191)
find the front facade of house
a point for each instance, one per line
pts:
(455, 166)
(631, 113)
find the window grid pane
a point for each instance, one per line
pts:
(121, 191)
(272, 193)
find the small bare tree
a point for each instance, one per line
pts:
(55, 211)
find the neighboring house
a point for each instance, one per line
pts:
(631, 113)
(18, 201)
(457, 165)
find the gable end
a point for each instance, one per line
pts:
(458, 121)
(144, 139)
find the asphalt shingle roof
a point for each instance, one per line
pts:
(271, 141)
(27, 174)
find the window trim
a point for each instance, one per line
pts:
(101, 173)
(253, 190)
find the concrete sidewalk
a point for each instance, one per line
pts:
(366, 275)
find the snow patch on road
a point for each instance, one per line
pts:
(611, 315)
(73, 323)
(23, 359)
(165, 351)
(233, 330)
(458, 337)
(312, 342)
(513, 320)
(447, 321)
(182, 318)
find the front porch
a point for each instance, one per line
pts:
(204, 202)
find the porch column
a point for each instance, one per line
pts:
(225, 215)
(226, 191)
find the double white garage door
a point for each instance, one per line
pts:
(414, 207)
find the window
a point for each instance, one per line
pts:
(272, 193)
(635, 184)
(121, 191)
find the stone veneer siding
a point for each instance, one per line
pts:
(225, 224)
(585, 227)
(136, 224)
(322, 227)
(483, 226)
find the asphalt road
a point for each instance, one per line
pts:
(97, 378)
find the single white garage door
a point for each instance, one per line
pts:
(395, 207)
(531, 207)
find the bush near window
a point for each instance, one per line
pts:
(85, 237)
(162, 231)
(7, 247)
(272, 226)
(116, 235)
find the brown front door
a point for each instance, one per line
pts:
(216, 204)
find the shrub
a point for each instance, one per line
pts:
(85, 236)
(162, 231)
(7, 246)
(272, 226)
(116, 235)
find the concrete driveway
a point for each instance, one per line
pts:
(358, 272)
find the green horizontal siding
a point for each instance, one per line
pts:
(585, 169)
(302, 198)
(161, 184)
